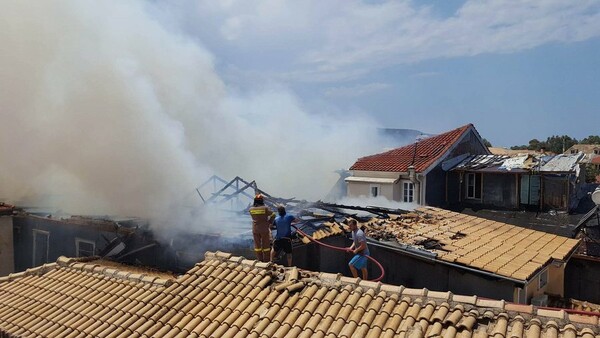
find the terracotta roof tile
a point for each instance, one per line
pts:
(77, 300)
(399, 159)
(496, 247)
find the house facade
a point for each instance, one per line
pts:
(536, 182)
(413, 173)
(590, 150)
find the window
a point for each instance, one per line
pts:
(474, 186)
(84, 248)
(40, 247)
(573, 151)
(407, 192)
(542, 279)
(374, 190)
(597, 151)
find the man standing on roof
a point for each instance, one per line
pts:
(359, 249)
(262, 217)
(283, 237)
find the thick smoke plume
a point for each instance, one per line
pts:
(106, 111)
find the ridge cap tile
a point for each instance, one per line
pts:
(558, 313)
(439, 295)
(329, 277)
(370, 285)
(394, 289)
(236, 259)
(414, 292)
(349, 281)
(490, 303)
(582, 319)
(262, 265)
(472, 300)
(223, 255)
(64, 261)
(520, 308)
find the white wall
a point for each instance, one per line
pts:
(357, 189)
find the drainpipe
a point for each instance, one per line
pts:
(413, 177)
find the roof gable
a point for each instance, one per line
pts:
(421, 154)
(584, 148)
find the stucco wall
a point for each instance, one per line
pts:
(556, 280)
(554, 286)
(7, 260)
(357, 189)
(413, 272)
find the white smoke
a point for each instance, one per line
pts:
(104, 110)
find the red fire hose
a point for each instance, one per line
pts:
(343, 249)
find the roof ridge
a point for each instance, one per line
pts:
(81, 263)
(470, 303)
(421, 154)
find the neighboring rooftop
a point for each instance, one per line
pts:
(475, 242)
(560, 163)
(512, 152)
(226, 296)
(421, 154)
(584, 148)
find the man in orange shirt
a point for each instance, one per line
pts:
(262, 217)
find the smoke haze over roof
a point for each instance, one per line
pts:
(104, 110)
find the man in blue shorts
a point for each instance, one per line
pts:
(359, 249)
(283, 237)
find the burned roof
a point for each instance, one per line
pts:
(229, 296)
(481, 162)
(495, 247)
(560, 163)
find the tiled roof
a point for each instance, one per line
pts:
(491, 246)
(226, 296)
(399, 159)
(585, 148)
(595, 160)
(511, 152)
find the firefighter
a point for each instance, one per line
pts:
(262, 217)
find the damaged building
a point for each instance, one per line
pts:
(523, 182)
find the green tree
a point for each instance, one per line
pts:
(558, 144)
(590, 173)
(487, 143)
(592, 139)
(536, 145)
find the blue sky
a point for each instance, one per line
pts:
(186, 89)
(516, 69)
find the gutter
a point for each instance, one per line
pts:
(433, 257)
